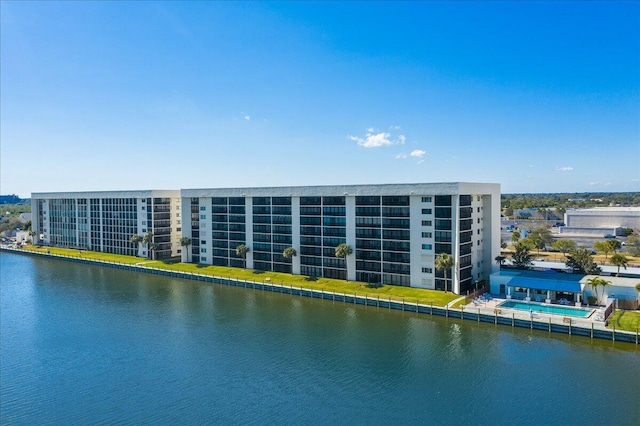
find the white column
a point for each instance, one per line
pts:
(508, 292)
(528, 295)
(548, 299)
(350, 220)
(295, 234)
(248, 211)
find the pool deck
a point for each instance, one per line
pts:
(492, 307)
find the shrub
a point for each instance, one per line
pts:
(592, 300)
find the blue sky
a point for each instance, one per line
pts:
(536, 96)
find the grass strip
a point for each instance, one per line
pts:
(398, 293)
(625, 320)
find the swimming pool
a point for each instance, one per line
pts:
(546, 309)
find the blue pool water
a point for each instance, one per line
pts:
(547, 309)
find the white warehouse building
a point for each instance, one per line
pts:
(598, 221)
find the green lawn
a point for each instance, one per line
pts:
(437, 298)
(625, 320)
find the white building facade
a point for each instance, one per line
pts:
(395, 231)
(105, 221)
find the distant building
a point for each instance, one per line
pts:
(537, 214)
(10, 199)
(22, 237)
(24, 217)
(600, 221)
(105, 221)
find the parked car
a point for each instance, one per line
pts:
(609, 236)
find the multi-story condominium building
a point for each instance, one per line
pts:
(106, 221)
(395, 231)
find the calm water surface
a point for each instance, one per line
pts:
(90, 345)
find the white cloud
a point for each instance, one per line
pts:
(395, 127)
(247, 117)
(564, 169)
(418, 153)
(373, 140)
(402, 155)
(635, 180)
(421, 161)
(593, 183)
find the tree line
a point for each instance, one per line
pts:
(570, 200)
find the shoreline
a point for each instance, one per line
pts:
(561, 325)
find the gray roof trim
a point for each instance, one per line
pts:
(349, 190)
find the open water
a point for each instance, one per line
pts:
(91, 345)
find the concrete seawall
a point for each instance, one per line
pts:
(365, 300)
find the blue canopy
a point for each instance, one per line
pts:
(568, 283)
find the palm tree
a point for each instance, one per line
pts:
(500, 260)
(638, 288)
(444, 262)
(31, 235)
(619, 260)
(148, 240)
(136, 239)
(185, 242)
(242, 251)
(343, 250)
(289, 253)
(596, 282)
(154, 247)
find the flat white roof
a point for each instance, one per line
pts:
(452, 188)
(108, 194)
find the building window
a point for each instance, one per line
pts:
(427, 234)
(426, 211)
(203, 216)
(427, 247)
(426, 199)
(203, 208)
(203, 250)
(426, 223)
(203, 259)
(427, 270)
